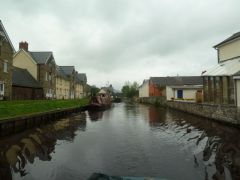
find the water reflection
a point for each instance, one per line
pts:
(19, 150)
(95, 115)
(222, 143)
(129, 139)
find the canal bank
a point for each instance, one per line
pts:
(222, 113)
(28, 113)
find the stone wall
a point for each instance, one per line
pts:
(222, 113)
(161, 100)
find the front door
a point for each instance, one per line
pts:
(180, 94)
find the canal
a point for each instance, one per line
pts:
(128, 139)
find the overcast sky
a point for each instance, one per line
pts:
(114, 41)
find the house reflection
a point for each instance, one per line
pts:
(18, 150)
(156, 117)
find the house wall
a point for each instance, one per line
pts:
(219, 90)
(144, 90)
(187, 93)
(62, 88)
(49, 85)
(79, 91)
(24, 61)
(6, 55)
(238, 92)
(169, 93)
(229, 50)
(24, 93)
(154, 90)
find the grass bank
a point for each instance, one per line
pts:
(20, 108)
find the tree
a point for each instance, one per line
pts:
(130, 90)
(94, 90)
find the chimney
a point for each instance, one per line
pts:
(23, 45)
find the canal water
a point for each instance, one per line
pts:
(128, 139)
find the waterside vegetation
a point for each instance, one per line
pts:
(130, 90)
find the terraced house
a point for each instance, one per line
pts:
(80, 85)
(41, 65)
(6, 55)
(70, 72)
(62, 84)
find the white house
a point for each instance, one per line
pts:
(184, 92)
(144, 89)
(172, 88)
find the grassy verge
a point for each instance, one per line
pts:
(19, 108)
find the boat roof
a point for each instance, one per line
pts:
(102, 91)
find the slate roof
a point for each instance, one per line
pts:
(3, 30)
(226, 68)
(40, 57)
(234, 36)
(60, 72)
(67, 69)
(21, 77)
(177, 80)
(81, 77)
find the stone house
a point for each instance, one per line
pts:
(24, 86)
(176, 87)
(221, 83)
(70, 72)
(62, 84)
(6, 56)
(80, 85)
(41, 65)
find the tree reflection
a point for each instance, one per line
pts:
(18, 150)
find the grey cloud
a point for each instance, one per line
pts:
(108, 37)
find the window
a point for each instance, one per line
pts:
(5, 66)
(46, 76)
(1, 89)
(180, 93)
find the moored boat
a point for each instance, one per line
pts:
(101, 101)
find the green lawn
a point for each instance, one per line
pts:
(19, 108)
